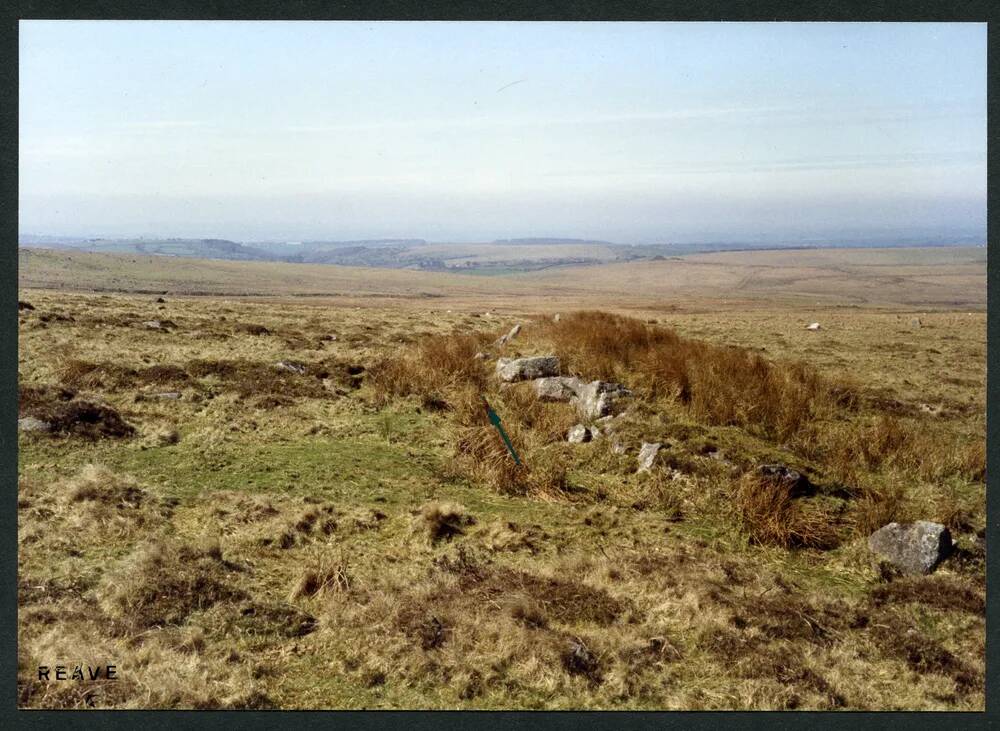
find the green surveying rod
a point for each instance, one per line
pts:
(495, 421)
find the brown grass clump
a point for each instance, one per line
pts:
(162, 582)
(253, 378)
(251, 328)
(322, 578)
(766, 511)
(84, 374)
(878, 506)
(721, 385)
(908, 444)
(481, 455)
(437, 365)
(116, 505)
(509, 536)
(527, 610)
(561, 600)
(443, 520)
(67, 414)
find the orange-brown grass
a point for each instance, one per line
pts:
(720, 385)
(481, 455)
(437, 365)
(769, 515)
(906, 444)
(877, 506)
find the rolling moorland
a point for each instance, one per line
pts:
(301, 502)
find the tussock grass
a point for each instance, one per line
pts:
(162, 582)
(720, 385)
(767, 512)
(154, 674)
(443, 520)
(435, 367)
(324, 577)
(581, 585)
(70, 415)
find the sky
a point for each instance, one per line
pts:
(627, 132)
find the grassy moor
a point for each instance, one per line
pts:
(273, 485)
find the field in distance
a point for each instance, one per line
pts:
(929, 277)
(302, 504)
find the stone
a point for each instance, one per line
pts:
(527, 369)
(598, 398)
(31, 424)
(290, 366)
(162, 325)
(482, 356)
(168, 395)
(912, 548)
(557, 317)
(509, 336)
(579, 434)
(813, 326)
(797, 483)
(557, 388)
(647, 455)
(915, 323)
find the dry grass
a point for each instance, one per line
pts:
(324, 577)
(323, 556)
(443, 520)
(162, 582)
(720, 385)
(767, 512)
(436, 366)
(66, 414)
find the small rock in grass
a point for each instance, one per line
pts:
(504, 339)
(579, 434)
(31, 424)
(912, 548)
(647, 455)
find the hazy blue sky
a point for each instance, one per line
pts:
(475, 131)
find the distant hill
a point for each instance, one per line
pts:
(551, 242)
(191, 248)
(503, 256)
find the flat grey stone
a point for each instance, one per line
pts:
(527, 369)
(557, 388)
